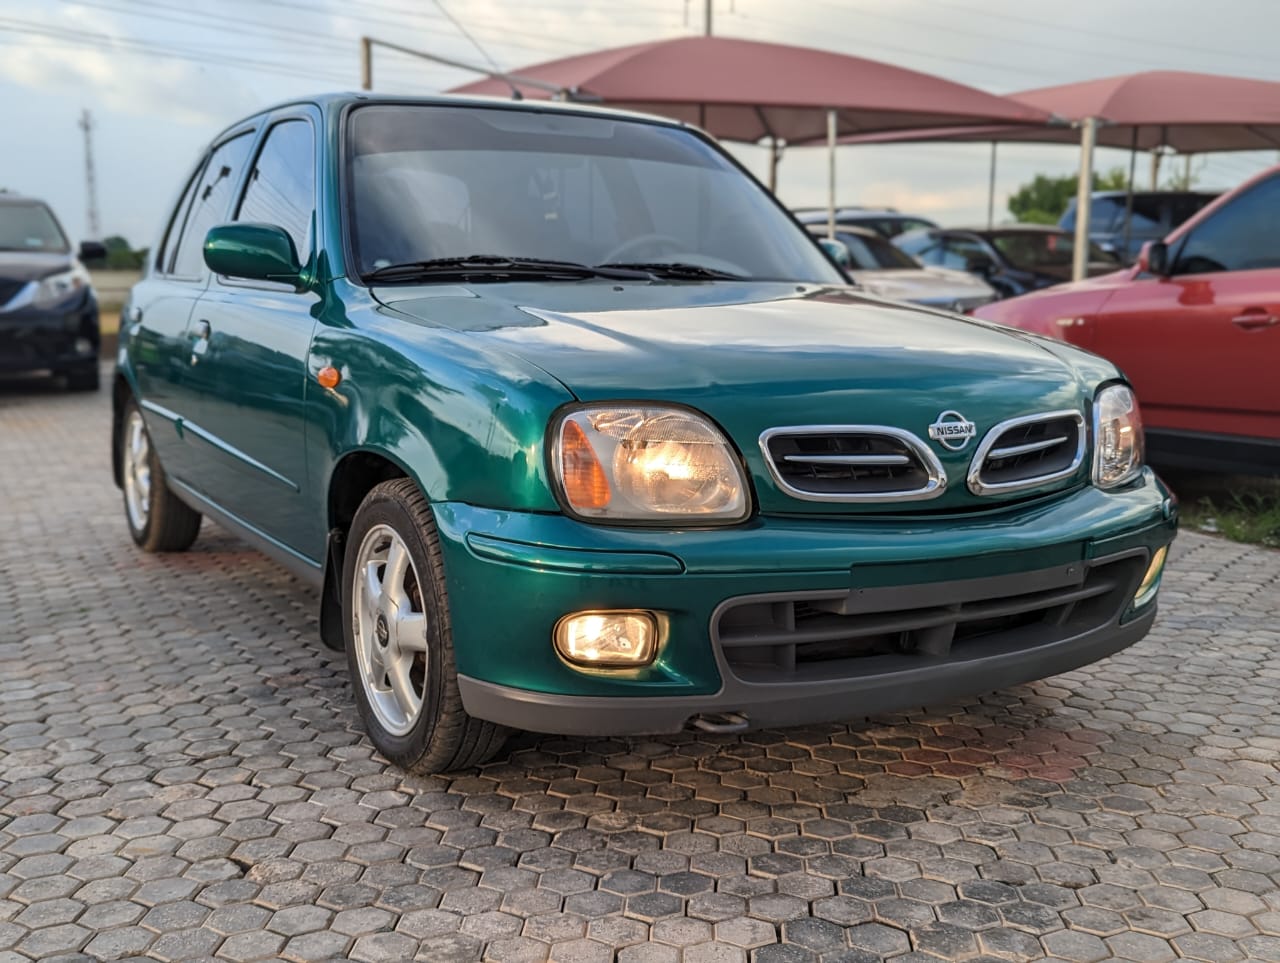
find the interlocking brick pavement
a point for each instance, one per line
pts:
(182, 776)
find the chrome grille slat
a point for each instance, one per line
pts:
(864, 460)
(1014, 450)
(851, 463)
(1028, 452)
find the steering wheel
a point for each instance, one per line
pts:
(639, 242)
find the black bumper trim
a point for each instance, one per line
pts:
(797, 703)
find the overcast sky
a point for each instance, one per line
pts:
(162, 76)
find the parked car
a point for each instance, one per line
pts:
(1195, 325)
(884, 221)
(881, 269)
(1154, 214)
(1013, 259)
(575, 431)
(48, 314)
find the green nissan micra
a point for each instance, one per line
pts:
(577, 431)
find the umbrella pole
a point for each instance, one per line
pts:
(773, 165)
(831, 174)
(1128, 201)
(991, 190)
(1084, 198)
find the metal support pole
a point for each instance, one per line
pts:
(831, 174)
(366, 63)
(991, 190)
(775, 155)
(1128, 201)
(1084, 198)
(706, 18)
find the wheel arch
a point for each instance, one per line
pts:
(121, 393)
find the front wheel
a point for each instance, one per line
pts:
(399, 638)
(158, 520)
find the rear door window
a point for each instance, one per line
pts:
(210, 203)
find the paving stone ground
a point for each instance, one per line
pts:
(182, 776)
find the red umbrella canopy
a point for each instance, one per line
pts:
(744, 90)
(1189, 112)
(1192, 113)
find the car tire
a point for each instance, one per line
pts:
(399, 637)
(157, 519)
(87, 379)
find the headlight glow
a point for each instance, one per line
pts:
(647, 463)
(1117, 437)
(57, 288)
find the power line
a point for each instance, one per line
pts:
(102, 41)
(467, 33)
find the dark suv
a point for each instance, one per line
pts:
(1155, 214)
(48, 313)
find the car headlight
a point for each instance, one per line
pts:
(1117, 436)
(56, 288)
(647, 463)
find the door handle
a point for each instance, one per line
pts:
(201, 343)
(1254, 319)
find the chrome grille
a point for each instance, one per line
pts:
(850, 463)
(1027, 452)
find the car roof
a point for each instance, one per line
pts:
(1005, 229)
(334, 101)
(1156, 194)
(11, 197)
(854, 213)
(853, 229)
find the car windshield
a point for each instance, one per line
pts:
(876, 254)
(1036, 250)
(30, 227)
(429, 182)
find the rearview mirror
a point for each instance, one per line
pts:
(92, 251)
(838, 251)
(1154, 259)
(255, 252)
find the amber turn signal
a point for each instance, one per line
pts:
(585, 484)
(328, 376)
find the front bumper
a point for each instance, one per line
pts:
(60, 338)
(789, 621)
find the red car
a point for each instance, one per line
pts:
(1195, 325)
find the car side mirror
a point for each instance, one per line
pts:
(92, 251)
(1154, 259)
(255, 252)
(838, 251)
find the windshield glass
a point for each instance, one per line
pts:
(875, 253)
(1036, 250)
(30, 227)
(444, 181)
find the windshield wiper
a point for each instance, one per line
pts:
(498, 266)
(681, 270)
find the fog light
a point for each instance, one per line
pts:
(607, 640)
(1151, 581)
(83, 346)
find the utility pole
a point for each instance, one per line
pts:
(90, 181)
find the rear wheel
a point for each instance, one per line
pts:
(158, 521)
(400, 640)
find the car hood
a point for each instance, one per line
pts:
(759, 356)
(31, 265)
(929, 285)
